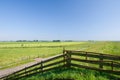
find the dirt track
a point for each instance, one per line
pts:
(11, 70)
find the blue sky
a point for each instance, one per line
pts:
(60, 19)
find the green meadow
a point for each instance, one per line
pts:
(71, 74)
(17, 53)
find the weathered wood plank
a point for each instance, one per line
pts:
(79, 51)
(94, 53)
(55, 63)
(97, 56)
(105, 63)
(34, 69)
(45, 60)
(53, 58)
(40, 72)
(98, 69)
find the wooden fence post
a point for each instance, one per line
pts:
(112, 65)
(68, 59)
(25, 71)
(64, 57)
(101, 60)
(41, 66)
(86, 56)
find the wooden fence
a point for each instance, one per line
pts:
(70, 58)
(95, 61)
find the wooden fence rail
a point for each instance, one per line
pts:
(37, 68)
(105, 62)
(71, 58)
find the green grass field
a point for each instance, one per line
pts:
(12, 53)
(71, 74)
(17, 53)
(22, 52)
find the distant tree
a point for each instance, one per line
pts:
(24, 40)
(56, 41)
(35, 40)
(68, 40)
(19, 41)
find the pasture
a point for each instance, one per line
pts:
(16, 53)
(23, 52)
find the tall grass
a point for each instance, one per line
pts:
(72, 73)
